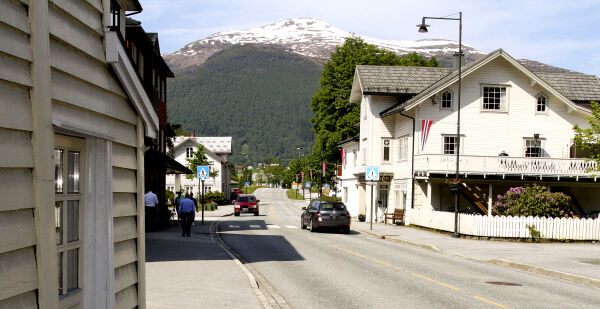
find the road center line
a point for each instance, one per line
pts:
(491, 302)
(357, 254)
(386, 264)
(437, 282)
(315, 240)
(273, 214)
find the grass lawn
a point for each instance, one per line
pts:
(291, 194)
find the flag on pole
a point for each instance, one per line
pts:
(324, 165)
(425, 128)
(302, 173)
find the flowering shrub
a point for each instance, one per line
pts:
(533, 201)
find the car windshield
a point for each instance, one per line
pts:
(246, 199)
(333, 206)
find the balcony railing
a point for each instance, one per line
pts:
(446, 164)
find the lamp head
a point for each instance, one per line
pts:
(423, 28)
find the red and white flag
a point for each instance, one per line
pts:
(324, 165)
(425, 127)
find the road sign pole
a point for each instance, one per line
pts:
(372, 185)
(202, 201)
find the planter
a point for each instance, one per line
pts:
(453, 186)
(361, 219)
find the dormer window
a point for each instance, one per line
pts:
(446, 100)
(541, 106)
(189, 152)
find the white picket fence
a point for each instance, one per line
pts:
(508, 227)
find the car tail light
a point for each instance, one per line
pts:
(317, 215)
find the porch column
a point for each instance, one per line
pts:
(490, 199)
(429, 191)
(177, 182)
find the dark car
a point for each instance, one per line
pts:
(235, 192)
(246, 203)
(325, 214)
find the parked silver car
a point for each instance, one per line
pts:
(325, 214)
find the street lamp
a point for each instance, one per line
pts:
(423, 29)
(299, 148)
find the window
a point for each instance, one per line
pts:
(450, 144)
(141, 65)
(115, 15)
(446, 100)
(494, 98)
(354, 157)
(189, 152)
(533, 148)
(541, 107)
(68, 203)
(403, 149)
(386, 150)
(364, 152)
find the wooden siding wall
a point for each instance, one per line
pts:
(17, 225)
(84, 93)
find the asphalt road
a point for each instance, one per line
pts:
(331, 270)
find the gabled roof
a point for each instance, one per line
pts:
(184, 139)
(390, 80)
(216, 144)
(353, 139)
(554, 88)
(576, 87)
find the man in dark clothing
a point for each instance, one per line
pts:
(194, 200)
(187, 210)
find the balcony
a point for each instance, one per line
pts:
(504, 166)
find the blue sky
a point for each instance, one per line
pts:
(560, 33)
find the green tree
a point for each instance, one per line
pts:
(199, 159)
(335, 116)
(588, 139)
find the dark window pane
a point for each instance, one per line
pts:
(73, 172)
(73, 221)
(60, 274)
(72, 270)
(58, 221)
(58, 173)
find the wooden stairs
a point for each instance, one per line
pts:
(475, 195)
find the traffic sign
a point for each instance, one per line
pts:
(203, 172)
(372, 173)
(246, 184)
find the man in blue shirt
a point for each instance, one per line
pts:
(187, 211)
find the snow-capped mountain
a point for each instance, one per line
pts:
(308, 37)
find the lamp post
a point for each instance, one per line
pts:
(299, 148)
(423, 29)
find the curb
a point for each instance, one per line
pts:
(547, 272)
(402, 241)
(529, 268)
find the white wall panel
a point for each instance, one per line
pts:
(15, 149)
(18, 230)
(124, 180)
(123, 156)
(82, 38)
(124, 205)
(26, 300)
(15, 15)
(15, 107)
(18, 272)
(125, 276)
(15, 43)
(15, 71)
(16, 189)
(125, 252)
(127, 298)
(83, 12)
(124, 228)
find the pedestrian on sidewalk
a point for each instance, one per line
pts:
(187, 210)
(150, 201)
(177, 201)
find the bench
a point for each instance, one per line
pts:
(397, 215)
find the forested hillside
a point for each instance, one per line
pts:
(259, 95)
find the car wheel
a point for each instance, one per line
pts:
(302, 226)
(312, 226)
(256, 213)
(346, 230)
(237, 214)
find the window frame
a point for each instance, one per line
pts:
(462, 144)
(503, 105)
(69, 298)
(189, 154)
(387, 147)
(451, 101)
(403, 148)
(541, 142)
(537, 104)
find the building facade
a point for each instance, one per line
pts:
(516, 129)
(76, 121)
(217, 150)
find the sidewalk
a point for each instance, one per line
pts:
(577, 262)
(194, 272)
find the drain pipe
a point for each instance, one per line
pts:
(412, 162)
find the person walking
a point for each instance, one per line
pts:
(187, 210)
(177, 201)
(150, 201)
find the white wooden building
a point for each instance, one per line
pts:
(516, 129)
(74, 116)
(217, 149)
